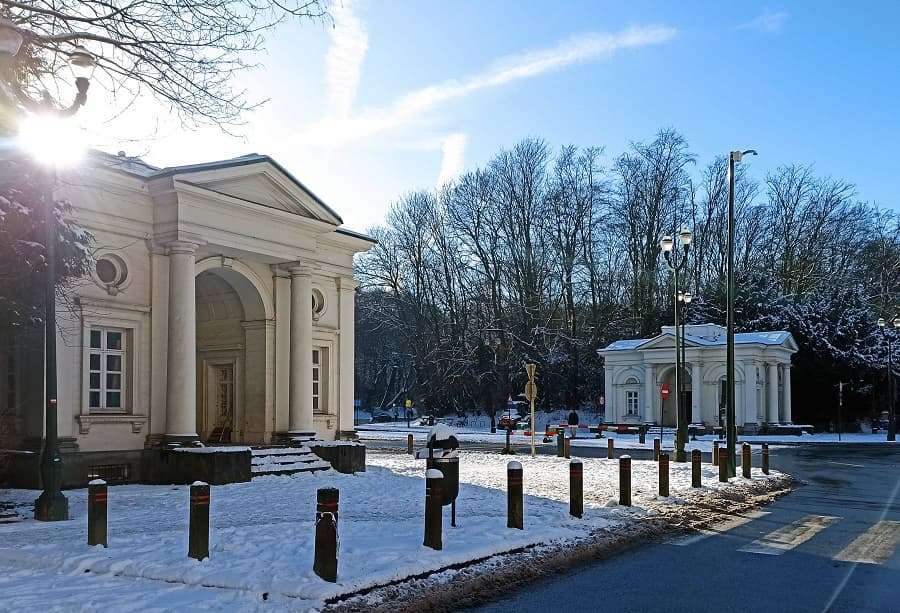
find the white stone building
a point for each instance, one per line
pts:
(636, 371)
(222, 303)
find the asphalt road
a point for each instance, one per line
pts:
(831, 545)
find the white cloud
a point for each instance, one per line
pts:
(768, 21)
(333, 131)
(453, 152)
(349, 42)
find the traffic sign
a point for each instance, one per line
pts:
(408, 403)
(664, 391)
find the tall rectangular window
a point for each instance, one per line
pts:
(106, 370)
(631, 403)
(317, 381)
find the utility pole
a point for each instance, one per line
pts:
(840, 408)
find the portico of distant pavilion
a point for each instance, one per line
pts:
(636, 371)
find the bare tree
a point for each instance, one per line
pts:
(185, 53)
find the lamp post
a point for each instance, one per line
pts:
(676, 265)
(730, 429)
(51, 505)
(685, 299)
(892, 419)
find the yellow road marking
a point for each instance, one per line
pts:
(790, 536)
(873, 546)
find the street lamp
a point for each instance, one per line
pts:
(730, 429)
(676, 265)
(685, 299)
(51, 505)
(892, 421)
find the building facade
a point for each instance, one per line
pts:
(636, 372)
(220, 308)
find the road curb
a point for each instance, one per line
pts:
(483, 580)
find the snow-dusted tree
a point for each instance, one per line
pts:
(22, 237)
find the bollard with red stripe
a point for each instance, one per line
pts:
(625, 480)
(715, 453)
(198, 528)
(765, 458)
(723, 465)
(745, 460)
(664, 475)
(96, 517)
(576, 488)
(695, 468)
(515, 516)
(325, 559)
(434, 502)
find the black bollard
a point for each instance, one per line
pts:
(96, 516)
(515, 515)
(765, 458)
(664, 475)
(198, 529)
(745, 460)
(723, 465)
(656, 447)
(625, 480)
(409, 444)
(642, 436)
(576, 488)
(567, 448)
(560, 442)
(508, 449)
(325, 556)
(434, 501)
(715, 453)
(695, 468)
(610, 446)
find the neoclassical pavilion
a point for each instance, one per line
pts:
(636, 371)
(221, 306)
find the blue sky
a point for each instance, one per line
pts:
(400, 94)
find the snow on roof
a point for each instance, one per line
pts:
(705, 335)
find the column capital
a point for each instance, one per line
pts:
(180, 246)
(300, 270)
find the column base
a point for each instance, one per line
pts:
(180, 440)
(293, 438)
(51, 506)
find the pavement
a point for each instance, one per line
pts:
(831, 545)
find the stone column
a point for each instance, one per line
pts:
(301, 413)
(649, 376)
(787, 393)
(346, 410)
(609, 393)
(751, 404)
(181, 358)
(773, 393)
(696, 392)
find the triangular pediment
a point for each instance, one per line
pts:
(259, 180)
(664, 341)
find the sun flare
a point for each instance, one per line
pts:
(51, 140)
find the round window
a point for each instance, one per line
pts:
(318, 302)
(111, 270)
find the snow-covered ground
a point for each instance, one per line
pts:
(261, 542)
(398, 431)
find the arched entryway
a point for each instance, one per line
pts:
(667, 377)
(232, 339)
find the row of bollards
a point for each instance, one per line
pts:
(325, 557)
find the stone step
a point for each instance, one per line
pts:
(289, 468)
(284, 459)
(10, 518)
(258, 452)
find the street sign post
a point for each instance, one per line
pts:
(530, 395)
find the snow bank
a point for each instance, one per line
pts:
(262, 533)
